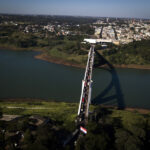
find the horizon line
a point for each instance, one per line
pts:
(24, 14)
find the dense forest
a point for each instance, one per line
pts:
(137, 52)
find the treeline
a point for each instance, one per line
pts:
(44, 19)
(137, 52)
(18, 39)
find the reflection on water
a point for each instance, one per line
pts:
(22, 76)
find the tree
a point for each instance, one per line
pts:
(2, 140)
(98, 47)
(28, 137)
(94, 141)
(23, 124)
(125, 140)
(1, 113)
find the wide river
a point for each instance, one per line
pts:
(22, 76)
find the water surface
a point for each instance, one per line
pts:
(22, 76)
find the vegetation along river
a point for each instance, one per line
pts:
(23, 76)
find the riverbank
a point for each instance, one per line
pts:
(13, 48)
(48, 58)
(130, 109)
(131, 66)
(45, 57)
(45, 107)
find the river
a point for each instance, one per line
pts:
(23, 76)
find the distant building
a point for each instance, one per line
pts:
(94, 41)
(97, 31)
(91, 41)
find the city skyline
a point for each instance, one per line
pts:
(94, 8)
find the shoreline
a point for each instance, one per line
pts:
(47, 58)
(31, 100)
(44, 57)
(131, 109)
(133, 66)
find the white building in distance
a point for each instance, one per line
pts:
(94, 41)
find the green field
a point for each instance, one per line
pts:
(55, 110)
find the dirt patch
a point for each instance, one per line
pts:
(133, 66)
(140, 110)
(9, 117)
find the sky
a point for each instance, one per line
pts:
(101, 8)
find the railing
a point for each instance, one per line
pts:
(85, 98)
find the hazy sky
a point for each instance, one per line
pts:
(103, 8)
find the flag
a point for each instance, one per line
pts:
(83, 130)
